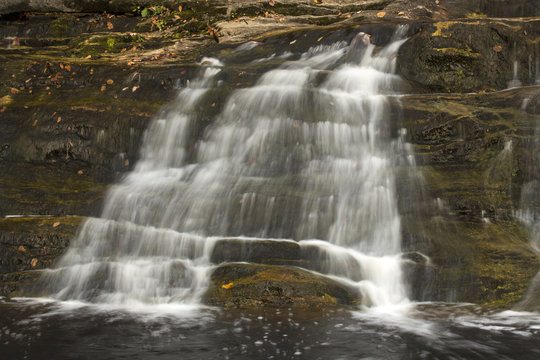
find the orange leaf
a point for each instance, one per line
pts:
(381, 14)
(110, 82)
(33, 262)
(56, 224)
(59, 119)
(14, 91)
(110, 26)
(68, 68)
(22, 248)
(103, 87)
(497, 48)
(227, 286)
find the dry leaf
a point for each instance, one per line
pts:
(110, 82)
(133, 89)
(22, 248)
(91, 71)
(80, 172)
(88, 57)
(180, 8)
(14, 91)
(497, 48)
(61, 66)
(33, 262)
(34, 123)
(110, 25)
(56, 224)
(271, 3)
(381, 14)
(103, 87)
(68, 68)
(124, 89)
(59, 119)
(227, 286)
(401, 13)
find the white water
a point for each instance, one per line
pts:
(305, 154)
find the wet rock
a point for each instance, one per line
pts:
(274, 252)
(472, 55)
(28, 244)
(250, 285)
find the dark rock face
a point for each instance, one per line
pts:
(470, 55)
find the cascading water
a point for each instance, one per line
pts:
(305, 154)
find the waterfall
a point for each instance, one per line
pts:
(307, 154)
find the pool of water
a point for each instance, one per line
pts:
(43, 329)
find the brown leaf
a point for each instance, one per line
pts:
(110, 82)
(22, 248)
(110, 26)
(271, 3)
(56, 224)
(381, 14)
(33, 262)
(14, 91)
(34, 123)
(133, 89)
(88, 56)
(68, 68)
(80, 172)
(103, 87)
(180, 8)
(497, 48)
(59, 119)
(61, 66)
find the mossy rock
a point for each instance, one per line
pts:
(249, 285)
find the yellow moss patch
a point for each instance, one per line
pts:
(455, 51)
(440, 26)
(5, 100)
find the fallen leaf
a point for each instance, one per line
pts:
(33, 262)
(110, 82)
(227, 286)
(88, 57)
(319, 39)
(14, 91)
(124, 89)
(180, 8)
(497, 48)
(59, 119)
(401, 13)
(110, 26)
(34, 123)
(381, 14)
(61, 66)
(80, 172)
(317, 1)
(103, 87)
(133, 89)
(68, 68)
(4, 108)
(22, 248)
(347, 16)
(271, 3)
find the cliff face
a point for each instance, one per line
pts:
(78, 88)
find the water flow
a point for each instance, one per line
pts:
(305, 154)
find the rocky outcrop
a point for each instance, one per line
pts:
(252, 285)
